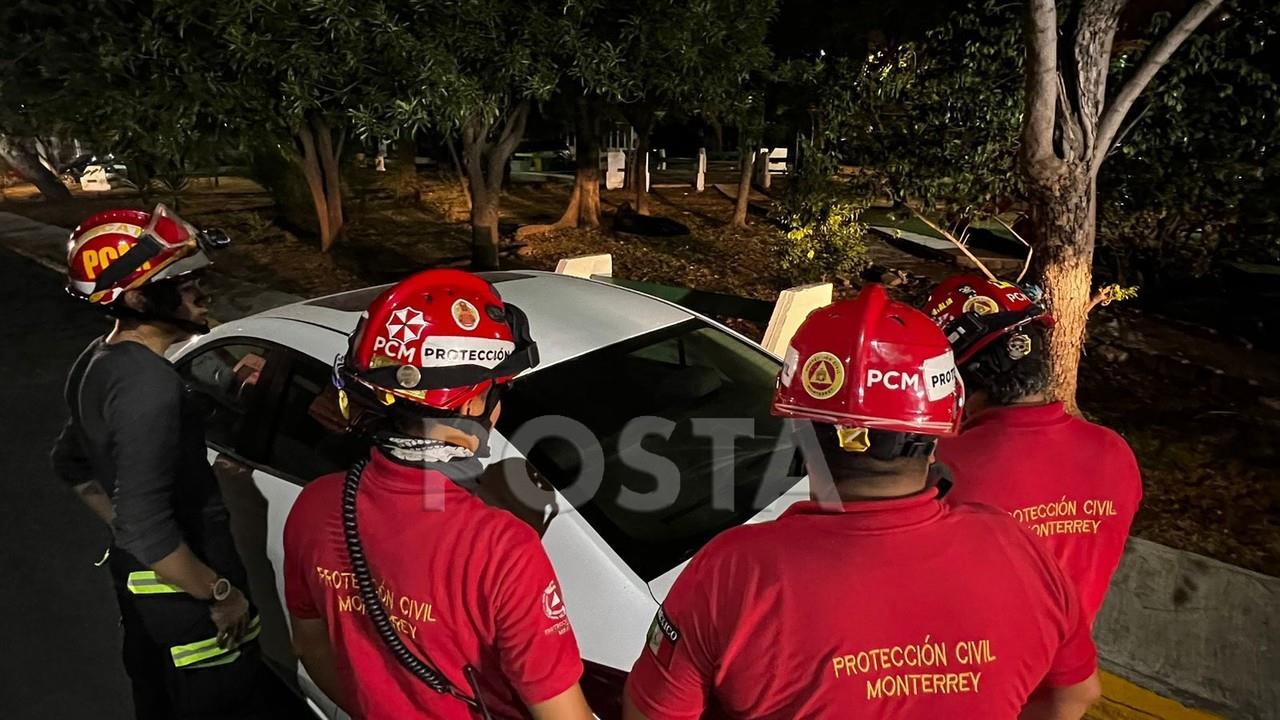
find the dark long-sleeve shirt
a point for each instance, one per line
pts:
(135, 431)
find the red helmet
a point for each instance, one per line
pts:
(871, 362)
(436, 339)
(975, 311)
(120, 250)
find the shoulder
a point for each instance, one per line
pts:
(500, 530)
(996, 528)
(319, 495)
(135, 372)
(999, 531)
(1100, 438)
(743, 547)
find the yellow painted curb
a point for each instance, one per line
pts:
(1122, 700)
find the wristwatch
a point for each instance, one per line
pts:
(221, 589)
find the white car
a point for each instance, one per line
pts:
(608, 355)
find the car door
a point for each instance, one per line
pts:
(300, 436)
(245, 385)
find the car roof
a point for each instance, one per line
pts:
(568, 315)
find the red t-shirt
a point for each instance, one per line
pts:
(902, 608)
(465, 584)
(1074, 483)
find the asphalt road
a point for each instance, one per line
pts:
(59, 633)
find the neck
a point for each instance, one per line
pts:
(155, 337)
(443, 433)
(883, 488)
(977, 403)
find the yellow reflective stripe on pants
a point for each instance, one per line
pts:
(203, 650)
(145, 582)
(224, 660)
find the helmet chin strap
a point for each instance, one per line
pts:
(479, 426)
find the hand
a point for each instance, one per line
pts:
(231, 617)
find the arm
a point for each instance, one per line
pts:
(538, 653)
(629, 709)
(1064, 703)
(95, 497)
(311, 645)
(1071, 685)
(673, 678)
(568, 705)
(71, 465)
(143, 415)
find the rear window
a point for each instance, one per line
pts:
(693, 381)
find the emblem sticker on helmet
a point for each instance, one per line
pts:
(1019, 346)
(408, 376)
(981, 305)
(465, 314)
(405, 325)
(822, 375)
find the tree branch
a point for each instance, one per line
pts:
(1128, 129)
(1072, 143)
(1042, 83)
(1151, 64)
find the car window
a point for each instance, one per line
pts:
(310, 439)
(689, 375)
(226, 379)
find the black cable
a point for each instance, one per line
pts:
(377, 612)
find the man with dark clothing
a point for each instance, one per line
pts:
(1075, 483)
(134, 450)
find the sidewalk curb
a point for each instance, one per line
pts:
(1194, 629)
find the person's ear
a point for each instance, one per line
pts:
(475, 406)
(134, 300)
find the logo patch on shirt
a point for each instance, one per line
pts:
(552, 603)
(663, 637)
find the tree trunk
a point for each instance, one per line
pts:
(641, 118)
(28, 165)
(319, 160)
(329, 164)
(484, 229)
(463, 184)
(1063, 214)
(746, 163)
(586, 181)
(486, 163)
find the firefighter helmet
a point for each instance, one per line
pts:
(974, 311)
(119, 250)
(871, 362)
(436, 340)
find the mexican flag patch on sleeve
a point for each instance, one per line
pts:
(663, 637)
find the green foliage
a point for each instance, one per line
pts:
(823, 235)
(274, 168)
(937, 119)
(1184, 187)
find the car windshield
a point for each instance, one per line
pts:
(692, 381)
